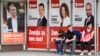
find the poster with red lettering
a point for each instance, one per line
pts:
(59, 18)
(37, 24)
(13, 23)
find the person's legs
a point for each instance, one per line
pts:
(73, 46)
(61, 46)
(82, 48)
(56, 45)
(65, 45)
(89, 46)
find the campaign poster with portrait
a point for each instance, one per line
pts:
(37, 24)
(83, 14)
(79, 12)
(13, 23)
(59, 18)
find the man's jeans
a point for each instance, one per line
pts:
(59, 45)
(73, 46)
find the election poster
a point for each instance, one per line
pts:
(37, 24)
(13, 23)
(59, 18)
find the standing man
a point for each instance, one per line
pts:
(90, 17)
(42, 21)
(15, 23)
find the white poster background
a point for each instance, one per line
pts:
(98, 18)
(55, 12)
(81, 13)
(34, 13)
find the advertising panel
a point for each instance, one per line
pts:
(13, 23)
(37, 24)
(59, 17)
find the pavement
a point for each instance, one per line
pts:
(37, 53)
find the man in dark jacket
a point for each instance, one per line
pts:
(42, 21)
(15, 23)
(90, 17)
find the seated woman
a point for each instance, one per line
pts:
(59, 42)
(87, 38)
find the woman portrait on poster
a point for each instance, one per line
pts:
(64, 14)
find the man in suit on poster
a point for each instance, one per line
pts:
(15, 23)
(90, 17)
(42, 21)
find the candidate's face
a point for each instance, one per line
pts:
(41, 11)
(13, 11)
(88, 10)
(63, 12)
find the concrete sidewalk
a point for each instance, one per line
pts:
(34, 53)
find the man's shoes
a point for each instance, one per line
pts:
(89, 54)
(82, 53)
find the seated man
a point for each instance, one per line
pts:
(70, 38)
(59, 42)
